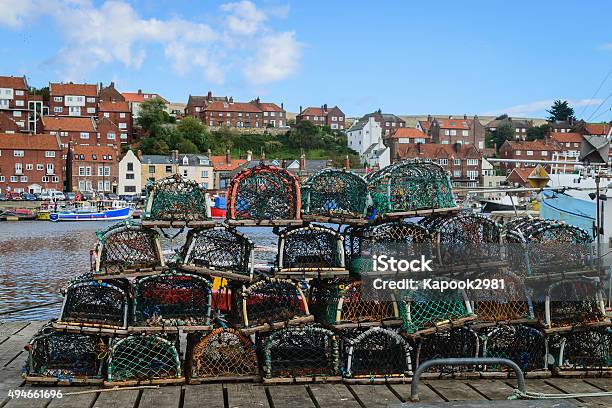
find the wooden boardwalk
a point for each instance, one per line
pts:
(14, 335)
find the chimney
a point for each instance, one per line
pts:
(139, 154)
(249, 155)
(300, 109)
(347, 163)
(282, 106)
(464, 116)
(209, 153)
(325, 107)
(231, 99)
(112, 84)
(140, 92)
(457, 146)
(429, 118)
(209, 95)
(228, 157)
(302, 162)
(175, 156)
(284, 164)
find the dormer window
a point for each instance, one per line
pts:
(185, 161)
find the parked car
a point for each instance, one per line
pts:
(87, 195)
(46, 196)
(11, 195)
(28, 196)
(112, 196)
(58, 195)
(3, 197)
(100, 196)
(70, 196)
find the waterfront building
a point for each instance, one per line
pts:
(129, 181)
(92, 168)
(195, 167)
(223, 166)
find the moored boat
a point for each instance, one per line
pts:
(18, 214)
(89, 215)
(218, 209)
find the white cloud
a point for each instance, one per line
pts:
(277, 58)
(113, 32)
(539, 107)
(244, 17)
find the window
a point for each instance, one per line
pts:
(445, 142)
(18, 102)
(529, 152)
(57, 99)
(55, 179)
(122, 125)
(472, 174)
(518, 153)
(129, 176)
(14, 179)
(84, 135)
(123, 136)
(110, 136)
(18, 153)
(88, 170)
(49, 153)
(122, 115)
(81, 170)
(168, 169)
(151, 169)
(446, 132)
(50, 168)
(204, 173)
(457, 162)
(94, 156)
(2, 179)
(23, 179)
(106, 115)
(465, 132)
(443, 162)
(58, 109)
(40, 167)
(453, 132)
(91, 100)
(18, 168)
(266, 114)
(130, 166)
(472, 162)
(456, 173)
(100, 170)
(544, 153)
(29, 166)
(130, 189)
(45, 179)
(63, 133)
(19, 92)
(16, 114)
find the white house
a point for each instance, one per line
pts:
(365, 137)
(198, 168)
(129, 175)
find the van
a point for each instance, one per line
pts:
(58, 196)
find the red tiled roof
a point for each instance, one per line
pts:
(435, 150)
(99, 151)
(28, 142)
(114, 107)
(425, 124)
(13, 82)
(412, 133)
(73, 89)
(68, 124)
(535, 145)
(566, 137)
(454, 123)
(597, 128)
(270, 107)
(7, 123)
(522, 172)
(220, 164)
(232, 107)
(36, 98)
(140, 96)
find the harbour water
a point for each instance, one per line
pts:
(38, 259)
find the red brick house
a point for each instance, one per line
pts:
(222, 169)
(14, 99)
(75, 130)
(120, 114)
(332, 117)
(30, 163)
(458, 130)
(135, 99)
(535, 150)
(110, 94)
(272, 114)
(93, 168)
(73, 99)
(520, 176)
(569, 144)
(401, 139)
(8, 124)
(463, 162)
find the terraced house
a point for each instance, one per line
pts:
(14, 101)
(30, 163)
(73, 99)
(92, 168)
(120, 114)
(322, 116)
(458, 130)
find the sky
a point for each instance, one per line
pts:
(404, 57)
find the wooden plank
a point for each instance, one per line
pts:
(539, 385)
(487, 404)
(602, 383)
(9, 328)
(290, 395)
(572, 386)
(73, 401)
(374, 395)
(205, 395)
(425, 393)
(455, 390)
(491, 389)
(117, 399)
(333, 396)
(246, 395)
(166, 397)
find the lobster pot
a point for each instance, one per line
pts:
(301, 352)
(264, 193)
(410, 185)
(335, 193)
(270, 300)
(496, 304)
(310, 248)
(219, 249)
(461, 342)
(542, 247)
(378, 352)
(345, 302)
(584, 350)
(177, 199)
(430, 309)
(574, 302)
(126, 247)
(221, 354)
(399, 238)
(172, 299)
(524, 345)
(65, 356)
(97, 303)
(144, 358)
(465, 239)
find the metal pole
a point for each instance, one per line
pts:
(414, 387)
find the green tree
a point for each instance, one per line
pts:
(560, 111)
(44, 92)
(187, 146)
(305, 135)
(193, 130)
(504, 132)
(152, 113)
(153, 145)
(538, 132)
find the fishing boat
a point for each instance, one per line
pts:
(96, 211)
(501, 203)
(18, 214)
(218, 208)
